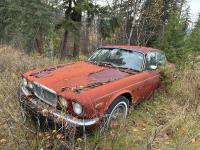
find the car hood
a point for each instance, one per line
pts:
(77, 75)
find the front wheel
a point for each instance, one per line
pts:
(117, 112)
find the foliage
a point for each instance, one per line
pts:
(37, 22)
(107, 26)
(71, 23)
(25, 23)
(193, 41)
(173, 38)
(10, 19)
(65, 26)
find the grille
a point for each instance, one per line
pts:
(45, 95)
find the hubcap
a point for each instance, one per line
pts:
(118, 114)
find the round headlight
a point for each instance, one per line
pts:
(24, 82)
(78, 109)
(62, 102)
(30, 85)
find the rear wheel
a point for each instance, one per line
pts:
(117, 112)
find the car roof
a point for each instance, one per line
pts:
(133, 48)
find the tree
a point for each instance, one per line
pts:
(31, 24)
(150, 23)
(9, 20)
(26, 23)
(71, 23)
(36, 24)
(105, 25)
(88, 20)
(173, 38)
(192, 44)
(135, 13)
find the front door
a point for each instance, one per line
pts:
(152, 80)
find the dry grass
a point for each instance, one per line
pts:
(13, 134)
(170, 121)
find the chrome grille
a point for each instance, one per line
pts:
(45, 95)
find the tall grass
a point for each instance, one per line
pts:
(13, 133)
(169, 121)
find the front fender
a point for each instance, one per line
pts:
(115, 96)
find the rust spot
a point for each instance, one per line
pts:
(92, 85)
(99, 106)
(47, 71)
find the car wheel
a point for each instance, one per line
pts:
(117, 112)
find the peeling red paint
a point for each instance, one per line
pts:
(96, 87)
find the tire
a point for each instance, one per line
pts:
(120, 104)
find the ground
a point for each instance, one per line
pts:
(169, 120)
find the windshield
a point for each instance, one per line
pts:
(119, 58)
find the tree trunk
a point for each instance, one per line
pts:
(63, 45)
(76, 44)
(77, 16)
(135, 11)
(39, 45)
(86, 41)
(76, 50)
(132, 28)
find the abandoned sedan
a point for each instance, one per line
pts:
(98, 91)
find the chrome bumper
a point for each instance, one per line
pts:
(55, 114)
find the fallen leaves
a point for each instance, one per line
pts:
(114, 125)
(54, 131)
(135, 130)
(193, 141)
(60, 136)
(79, 139)
(181, 130)
(3, 141)
(50, 135)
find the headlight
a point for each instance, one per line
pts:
(62, 103)
(30, 85)
(78, 109)
(24, 82)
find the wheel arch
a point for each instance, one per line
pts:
(126, 94)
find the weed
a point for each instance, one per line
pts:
(170, 121)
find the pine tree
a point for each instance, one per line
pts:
(25, 23)
(71, 23)
(173, 38)
(193, 41)
(9, 20)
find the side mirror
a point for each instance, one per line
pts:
(153, 67)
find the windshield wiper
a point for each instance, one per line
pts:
(129, 69)
(104, 63)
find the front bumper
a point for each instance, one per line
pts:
(38, 106)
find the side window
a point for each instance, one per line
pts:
(161, 59)
(150, 59)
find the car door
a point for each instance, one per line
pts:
(161, 59)
(152, 75)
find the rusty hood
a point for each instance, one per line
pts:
(75, 75)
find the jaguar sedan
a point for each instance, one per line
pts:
(98, 91)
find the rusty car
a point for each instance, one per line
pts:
(100, 90)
